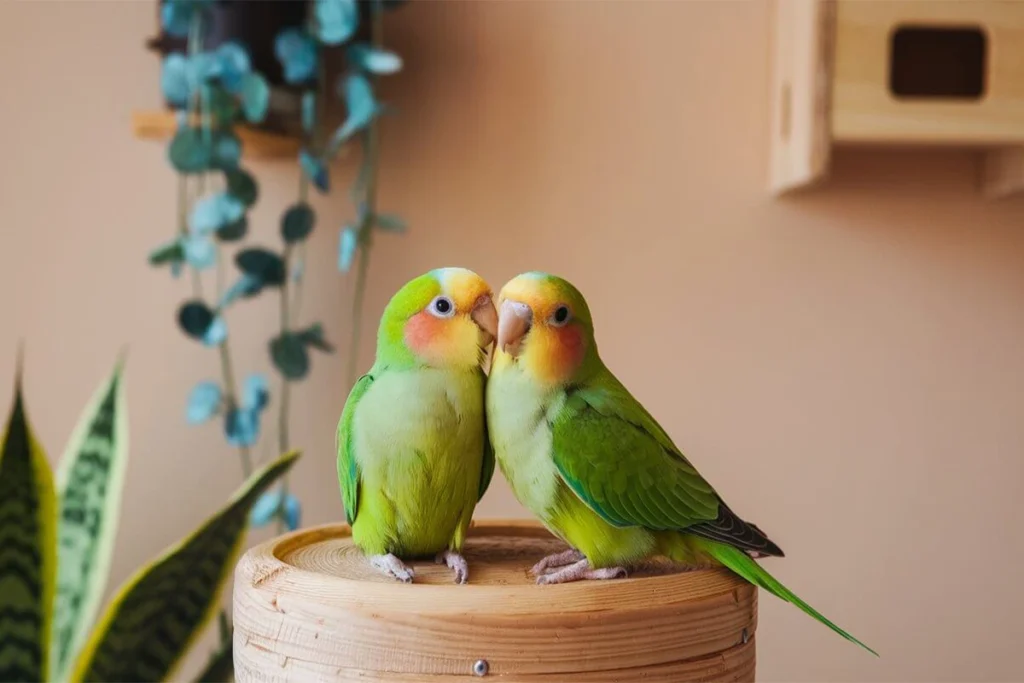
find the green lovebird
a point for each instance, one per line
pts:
(413, 454)
(585, 457)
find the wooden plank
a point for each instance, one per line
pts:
(800, 136)
(865, 111)
(256, 144)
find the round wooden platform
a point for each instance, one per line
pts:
(308, 607)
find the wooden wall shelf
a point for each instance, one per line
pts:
(256, 144)
(897, 73)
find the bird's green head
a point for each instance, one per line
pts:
(544, 325)
(444, 318)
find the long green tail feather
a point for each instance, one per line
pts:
(741, 563)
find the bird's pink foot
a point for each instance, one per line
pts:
(456, 562)
(579, 571)
(393, 567)
(557, 560)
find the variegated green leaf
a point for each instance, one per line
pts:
(89, 482)
(28, 554)
(158, 613)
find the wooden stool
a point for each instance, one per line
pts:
(308, 607)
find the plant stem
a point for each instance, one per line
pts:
(369, 210)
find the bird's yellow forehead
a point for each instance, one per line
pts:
(463, 286)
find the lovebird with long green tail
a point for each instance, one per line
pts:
(413, 454)
(585, 457)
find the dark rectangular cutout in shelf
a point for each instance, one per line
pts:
(938, 62)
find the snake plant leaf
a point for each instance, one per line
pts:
(289, 355)
(297, 53)
(90, 479)
(255, 94)
(28, 550)
(335, 21)
(297, 223)
(160, 611)
(374, 60)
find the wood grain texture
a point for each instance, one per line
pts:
(801, 141)
(307, 607)
(256, 144)
(864, 110)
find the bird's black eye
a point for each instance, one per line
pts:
(442, 307)
(561, 315)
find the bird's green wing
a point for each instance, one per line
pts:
(622, 464)
(487, 466)
(616, 458)
(348, 469)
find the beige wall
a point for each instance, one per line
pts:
(845, 366)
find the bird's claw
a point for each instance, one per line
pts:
(456, 562)
(581, 571)
(556, 560)
(393, 567)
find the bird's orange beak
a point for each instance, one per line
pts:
(513, 324)
(486, 318)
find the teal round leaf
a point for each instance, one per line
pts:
(216, 333)
(297, 223)
(335, 20)
(203, 402)
(292, 512)
(313, 336)
(204, 67)
(172, 252)
(174, 80)
(255, 392)
(227, 150)
(297, 53)
(290, 356)
(255, 94)
(175, 17)
(347, 244)
(389, 222)
(246, 286)
(215, 211)
(241, 185)
(374, 60)
(361, 104)
(188, 152)
(308, 111)
(264, 265)
(241, 428)
(265, 509)
(315, 170)
(200, 251)
(234, 64)
(195, 317)
(232, 232)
